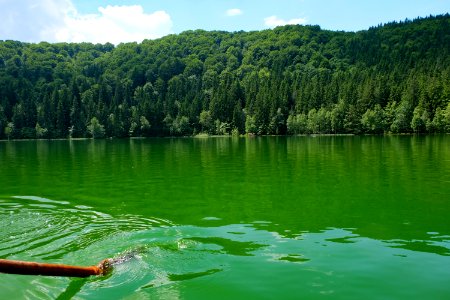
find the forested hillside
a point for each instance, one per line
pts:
(290, 80)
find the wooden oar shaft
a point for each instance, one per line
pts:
(34, 268)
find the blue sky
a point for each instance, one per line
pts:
(134, 20)
(330, 14)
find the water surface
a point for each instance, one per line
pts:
(246, 218)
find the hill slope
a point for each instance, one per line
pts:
(293, 79)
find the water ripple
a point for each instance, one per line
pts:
(49, 229)
(153, 257)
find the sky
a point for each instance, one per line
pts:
(117, 21)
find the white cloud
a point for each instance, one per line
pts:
(234, 12)
(274, 21)
(58, 21)
(25, 20)
(115, 24)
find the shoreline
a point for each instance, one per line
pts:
(205, 136)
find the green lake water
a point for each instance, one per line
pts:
(337, 217)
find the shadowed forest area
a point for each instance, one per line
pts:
(393, 78)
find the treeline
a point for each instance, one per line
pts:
(289, 80)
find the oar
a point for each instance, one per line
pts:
(34, 268)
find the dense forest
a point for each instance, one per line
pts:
(393, 78)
